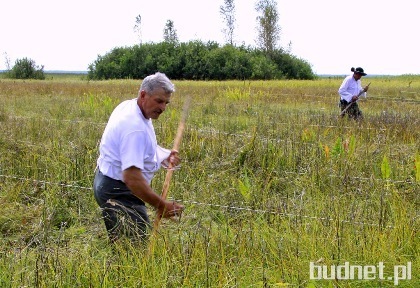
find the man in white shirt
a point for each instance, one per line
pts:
(350, 91)
(129, 157)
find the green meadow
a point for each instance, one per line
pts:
(272, 180)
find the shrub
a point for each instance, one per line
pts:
(26, 69)
(196, 60)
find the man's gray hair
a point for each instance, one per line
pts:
(156, 81)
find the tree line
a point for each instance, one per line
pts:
(196, 60)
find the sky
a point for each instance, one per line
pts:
(331, 35)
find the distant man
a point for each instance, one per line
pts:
(350, 91)
(129, 157)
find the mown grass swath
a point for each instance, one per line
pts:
(272, 178)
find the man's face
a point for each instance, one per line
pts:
(153, 104)
(357, 76)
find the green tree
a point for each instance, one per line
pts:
(26, 68)
(194, 54)
(268, 27)
(228, 13)
(263, 67)
(137, 28)
(7, 61)
(169, 32)
(291, 66)
(196, 60)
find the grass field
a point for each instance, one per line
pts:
(272, 180)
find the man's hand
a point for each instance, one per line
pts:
(170, 209)
(172, 161)
(354, 98)
(366, 88)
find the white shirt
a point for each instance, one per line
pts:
(129, 140)
(350, 87)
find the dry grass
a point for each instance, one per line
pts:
(271, 179)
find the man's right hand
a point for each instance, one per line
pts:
(354, 98)
(170, 209)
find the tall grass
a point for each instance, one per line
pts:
(272, 179)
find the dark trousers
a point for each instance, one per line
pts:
(123, 213)
(353, 111)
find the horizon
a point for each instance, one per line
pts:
(321, 75)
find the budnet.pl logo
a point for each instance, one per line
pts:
(359, 272)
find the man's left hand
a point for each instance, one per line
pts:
(172, 161)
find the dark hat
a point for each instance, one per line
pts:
(359, 70)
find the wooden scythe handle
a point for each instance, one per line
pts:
(351, 103)
(176, 145)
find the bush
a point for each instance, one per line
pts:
(196, 60)
(26, 69)
(291, 66)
